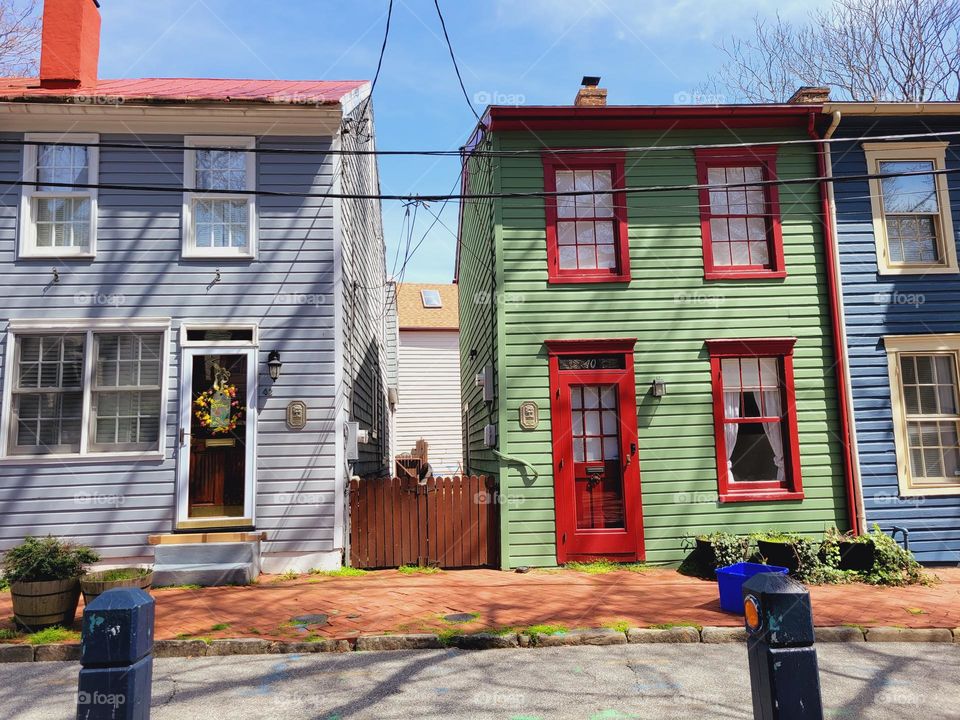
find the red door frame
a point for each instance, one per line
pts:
(624, 544)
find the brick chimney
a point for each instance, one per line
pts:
(71, 43)
(810, 95)
(590, 95)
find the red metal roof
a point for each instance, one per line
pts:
(283, 92)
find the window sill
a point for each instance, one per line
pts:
(760, 496)
(112, 457)
(573, 279)
(930, 491)
(744, 275)
(918, 270)
(212, 255)
(55, 254)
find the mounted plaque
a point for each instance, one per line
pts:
(529, 415)
(296, 415)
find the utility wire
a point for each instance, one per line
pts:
(383, 50)
(520, 152)
(481, 196)
(453, 59)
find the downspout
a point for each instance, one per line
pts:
(844, 394)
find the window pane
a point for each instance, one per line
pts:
(565, 204)
(129, 416)
(61, 164)
(221, 170)
(221, 223)
(62, 222)
(909, 194)
(566, 233)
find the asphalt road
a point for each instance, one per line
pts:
(875, 680)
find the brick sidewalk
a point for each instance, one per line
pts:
(387, 601)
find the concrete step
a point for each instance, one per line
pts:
(206, 563)
(206, 574)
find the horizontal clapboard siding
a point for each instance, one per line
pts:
(925, 305)
(671, 310)
(430, 397)
(138, 271)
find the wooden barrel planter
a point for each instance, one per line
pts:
(46, 603)
(94, 585)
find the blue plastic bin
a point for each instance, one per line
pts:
(731, 578)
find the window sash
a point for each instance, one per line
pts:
(82, 428)
(709, 213)
(911, 419)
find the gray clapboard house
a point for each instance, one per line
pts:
(140, 329)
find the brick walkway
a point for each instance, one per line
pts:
(386, 601)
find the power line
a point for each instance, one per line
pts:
(453, 59)
(520, 152)
(480, 196)
(383, 50)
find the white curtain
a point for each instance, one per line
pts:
(731, 409)
(771, 407)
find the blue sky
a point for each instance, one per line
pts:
(513, 51)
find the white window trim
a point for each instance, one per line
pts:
(89, 327)
(896, 345)
(188, 325)
(935, 152)
(28, 225)
(190, 249)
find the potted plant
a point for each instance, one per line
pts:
(96, 583)
(851, 552)
(778, 548)
(44, 576)
(720, 549)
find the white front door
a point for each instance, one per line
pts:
(216, 468)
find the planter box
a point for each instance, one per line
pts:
(705, 553)
(44, 604)
(92, 587)
(730, 580)
(779, 553)
(857, 556)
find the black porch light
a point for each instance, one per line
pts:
(274, 364)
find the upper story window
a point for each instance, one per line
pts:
(740, 222)
(59, 221)
(586, 234)
(83, 391)
(912, 225)
(755, 419)
(219, 223)
(431, 298)
(925, 395)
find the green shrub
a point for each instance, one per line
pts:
(117, 574)
(892, 565)
(49, 558)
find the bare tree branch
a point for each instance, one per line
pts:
(864, 50)
(19, 37)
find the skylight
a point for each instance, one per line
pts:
(431, 298)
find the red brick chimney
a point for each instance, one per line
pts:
(590, 94)
(71, 43)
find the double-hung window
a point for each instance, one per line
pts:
(925, 395)
(58, 220)
(85, 392)
(912, 225)
(740, 220)
(755, 419)
(220, 217)
(586, 232)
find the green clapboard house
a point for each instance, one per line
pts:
(642, 367)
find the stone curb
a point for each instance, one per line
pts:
(70, 652)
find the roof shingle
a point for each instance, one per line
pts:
(414, 316)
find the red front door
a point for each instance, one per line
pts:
(596, 467)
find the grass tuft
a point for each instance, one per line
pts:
(341, 572)
(414, 569)
(219, 626)
(676, 624)
(8, 634)
(535, 631)
(619, 626)
(55, 634)
(602, 567)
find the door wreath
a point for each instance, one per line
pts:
(218, 408)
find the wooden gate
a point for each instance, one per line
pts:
(449, 522)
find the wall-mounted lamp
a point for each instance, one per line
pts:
(274, 364)
(658, 388)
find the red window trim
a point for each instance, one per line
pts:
(766, 156)
(792, 487)
(595, 161)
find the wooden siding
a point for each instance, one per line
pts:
(365, 296)
(430, 397)
(287, 291)
(671, 310)
(891, 305)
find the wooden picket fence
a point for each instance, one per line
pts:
(449, 522)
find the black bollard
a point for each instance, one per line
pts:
(117, 657)
(783, 660)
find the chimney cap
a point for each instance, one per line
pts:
(810, 95)
(590, 80)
